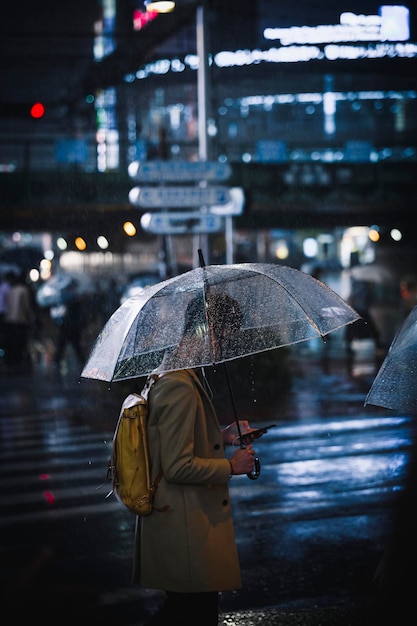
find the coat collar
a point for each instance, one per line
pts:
(199, 384)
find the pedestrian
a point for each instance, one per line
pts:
(4, 290)
(408, 291)
(19, 318)
(189, 551)
(360, 298)
(68, 315)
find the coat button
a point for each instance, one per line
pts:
(216, 446)
(225, 502)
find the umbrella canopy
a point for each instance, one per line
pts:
(395, 385)
(373, 273)
(235, 310)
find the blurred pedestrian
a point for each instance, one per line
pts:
(4, 290)
(360, 298)
(69, 318)
(19, 318)
(408, 291)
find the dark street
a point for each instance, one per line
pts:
(311, 531)
(183, 185)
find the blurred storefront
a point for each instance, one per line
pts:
(315, 112)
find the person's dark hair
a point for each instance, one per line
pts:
(221, 311)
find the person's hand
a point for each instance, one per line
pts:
(242, 461)
(231, 432)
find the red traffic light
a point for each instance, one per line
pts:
(37, 110)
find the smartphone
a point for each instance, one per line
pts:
(247, 438)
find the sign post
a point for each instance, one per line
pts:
(220, 202)
(178, 197)
(179, 171)
(181, 223)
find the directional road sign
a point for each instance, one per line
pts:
(179, 171)
(181, 223)
(178, 197)
(234, 207)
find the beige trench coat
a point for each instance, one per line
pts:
(191, 547)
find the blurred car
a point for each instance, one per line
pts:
(9, 268)
(25, 258)
(137, 284)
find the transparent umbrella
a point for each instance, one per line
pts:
(62, 285)
(395, 385)
(278, 306)
(373, 273)
(214, 314)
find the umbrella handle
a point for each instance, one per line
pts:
(256, 472)
(257, 464)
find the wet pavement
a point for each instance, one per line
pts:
(312, 530)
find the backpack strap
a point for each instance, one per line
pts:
(153, 488)
(150, 381)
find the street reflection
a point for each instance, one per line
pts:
(332, 473)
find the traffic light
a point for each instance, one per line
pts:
(37, 110)
(22, 110)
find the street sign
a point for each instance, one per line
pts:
(234, 207)
(178, 171)
(178, 197)
(181, 223)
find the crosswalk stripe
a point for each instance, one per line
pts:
(52, 470)
(53, 514)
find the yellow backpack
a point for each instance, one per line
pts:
(129, 465)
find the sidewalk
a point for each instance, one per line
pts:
(343, 613)
(331, 611)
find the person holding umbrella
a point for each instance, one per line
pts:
(204, 317)
(189, 550)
